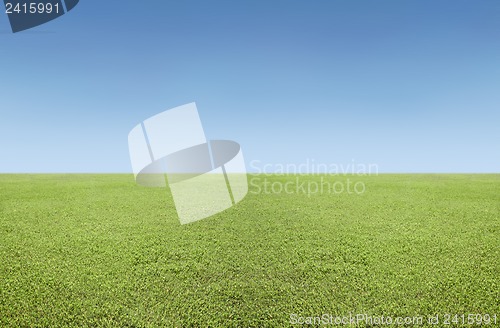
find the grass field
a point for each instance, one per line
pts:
(98, 250)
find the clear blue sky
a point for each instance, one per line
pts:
(413, 86)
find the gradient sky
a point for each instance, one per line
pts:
(412, 86)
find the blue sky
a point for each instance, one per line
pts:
(412, 86)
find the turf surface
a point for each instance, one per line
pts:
(97, 250)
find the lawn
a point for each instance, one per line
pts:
(98, 250)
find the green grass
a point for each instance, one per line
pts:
(97, 250)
